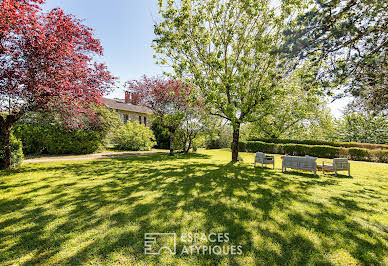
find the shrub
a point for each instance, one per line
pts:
(368, 146)
(382, 156)
(134, 137)
(326, 151)
(359, 154)
(294, 141)
(16, 151)
(320, 151)
(55, 139)
(162, 136)
(255, 146)
(325, 143)
(223, 140)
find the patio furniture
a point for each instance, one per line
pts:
(264, 159)
(307, 163)
(338, 164)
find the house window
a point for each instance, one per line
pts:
(145, 121)
(125, 119)
(139, 119)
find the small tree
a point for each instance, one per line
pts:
(169, 100)
(46, 63)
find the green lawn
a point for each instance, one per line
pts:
(96, 212)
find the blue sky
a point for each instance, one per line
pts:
(125, 28)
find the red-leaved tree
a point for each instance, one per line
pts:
(46, 63)
(169, 100)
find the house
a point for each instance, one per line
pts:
(129, 109)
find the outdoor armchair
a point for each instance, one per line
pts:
(262, 159)
(338, 164)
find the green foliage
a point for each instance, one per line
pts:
(359, 154)
(217, 133)
(348, 40)
(368, 146)
(46, 133)
(56, 139)
(380, 156)
(319, 142)
(162, 136)
(227, 51)
(293, 141)
(296, 110)
(134, 137)
(321, 151)
(107, 123)
(17, 155)
(363, 127)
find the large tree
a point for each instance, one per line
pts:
(46, 63)
(349, 40)
(227, 50)
(364, 127)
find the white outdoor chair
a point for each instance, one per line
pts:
(338, 164)
(262, 159)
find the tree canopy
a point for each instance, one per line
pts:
(47, 62)
(348, 40)
(227, 51)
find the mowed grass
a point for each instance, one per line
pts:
(96, 212)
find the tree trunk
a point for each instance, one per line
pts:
(188, 145)
(236, 138)
(5, 162)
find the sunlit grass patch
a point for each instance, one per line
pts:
(97, 212)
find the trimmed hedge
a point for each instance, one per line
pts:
(369, 146)
(322, 151)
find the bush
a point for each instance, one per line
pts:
(55, 139)
(294, 141)
(380, 156)
(368, 146)
(162, 136)
(16, 151)
(321, 151)
(325, 143)
(358, 154)
(134, 137)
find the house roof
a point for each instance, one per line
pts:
(122, 105)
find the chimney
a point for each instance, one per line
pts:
(131, 97)
(135, 98)
(127, 97)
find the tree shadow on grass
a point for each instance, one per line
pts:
(119, 200)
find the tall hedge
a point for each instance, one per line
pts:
(54, 139)
(326, 143)
(322, 151)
